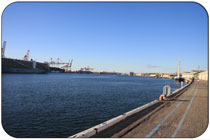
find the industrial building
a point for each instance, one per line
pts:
(188, 75)
(203, 75)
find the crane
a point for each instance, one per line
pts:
(68, 66)
(3, 49)
(26, 57)
(58, 63)
(86, 68)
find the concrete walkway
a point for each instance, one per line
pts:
(185, 117)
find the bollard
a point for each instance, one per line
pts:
(169, 90)
(164, 95)
(181, 84)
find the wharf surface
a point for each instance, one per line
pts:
(183, 116)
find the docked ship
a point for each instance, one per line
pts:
(25, 66)
(109, 73)
(178, 77)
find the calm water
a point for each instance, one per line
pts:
(60, 105)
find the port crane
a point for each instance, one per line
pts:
(59, 63)
(26, 57)
(67, 67)
(56, 63)
(3, 49)
(86, 68)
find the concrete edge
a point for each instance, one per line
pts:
(98, 128)
(178, 90)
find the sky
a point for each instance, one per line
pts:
(121, 37)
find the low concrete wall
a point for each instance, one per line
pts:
(98, 128)
(127, 114)
(174, 93)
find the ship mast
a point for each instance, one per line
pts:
(178, 74)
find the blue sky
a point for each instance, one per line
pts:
(123, 37)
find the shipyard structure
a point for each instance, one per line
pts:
(21, 66)
(24, 66)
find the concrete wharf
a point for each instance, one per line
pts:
(184, 115)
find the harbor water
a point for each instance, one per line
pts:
(60, 105)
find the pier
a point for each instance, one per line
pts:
(183, 114)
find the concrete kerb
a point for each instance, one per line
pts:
(98, 128)
(174, 93)
(127, 114)
(85, 134)
(109, 123)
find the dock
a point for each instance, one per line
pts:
(183, 115)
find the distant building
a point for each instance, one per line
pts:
(203, 75)
(140, 74)
(132, 74)
(188, 75)
(196, 73)
(166, 75)
(157, 75)
(152, 75)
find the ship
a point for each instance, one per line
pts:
(110, 73)
(178, 77)
(10, 65)
(25, 66)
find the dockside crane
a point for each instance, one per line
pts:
(67, 67)
(60, 64)
(70, 64)
(55, 63)
(3, 49)
(26, 57)
(86, 68)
